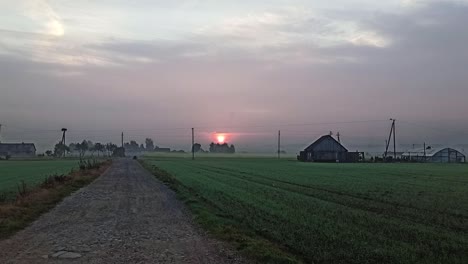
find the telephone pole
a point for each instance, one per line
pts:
(193, 143)
(0, 133)
(394, 139)
(392, 132)
(279, 144)
(122, 140)
(64, 130)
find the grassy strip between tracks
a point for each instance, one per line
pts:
(209, 217)
(31, 202)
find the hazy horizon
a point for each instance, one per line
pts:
(156, 69)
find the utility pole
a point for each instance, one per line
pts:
(64, 130)
(0, 133)
(394, 139)
(193, 143)
(279, 144)
(392, 132)
(122, 140)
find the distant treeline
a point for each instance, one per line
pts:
(108, 149)
(215, 148)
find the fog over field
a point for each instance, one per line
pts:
(158, 68)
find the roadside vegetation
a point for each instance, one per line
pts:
(286, 211)
(40, 185)
(32, 172)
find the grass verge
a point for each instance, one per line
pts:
(31, 203)
(222, 226)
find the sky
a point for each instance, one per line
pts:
(158, 68)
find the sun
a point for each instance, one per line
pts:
(220, 138)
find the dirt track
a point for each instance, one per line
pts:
(125, 216)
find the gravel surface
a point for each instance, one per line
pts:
(125, 216)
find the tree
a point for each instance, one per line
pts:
(212, 147)
(99, 148)
(118, 152)
(49, 153)
(82, 148)
(110, 147)
(60, 149)
(232, 149)
(90, 146)
(196, 147)
(222, 148)
(149, 144)
(132, 147)
(72, 147)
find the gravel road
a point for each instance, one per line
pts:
(125, 216)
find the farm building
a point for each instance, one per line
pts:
(158, 149)
(446, 155)
(390, 154)
(17, 149)
(328, 149)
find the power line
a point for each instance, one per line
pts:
(201, 127)
(434, 128)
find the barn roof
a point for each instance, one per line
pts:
(429, 152)
(17, 147)
(322, 138)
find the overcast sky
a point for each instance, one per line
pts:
(157, 68)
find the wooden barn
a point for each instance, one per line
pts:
(17, 149)
(328, 149)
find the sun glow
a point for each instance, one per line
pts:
(220, 138)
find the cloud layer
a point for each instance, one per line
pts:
(234, 67)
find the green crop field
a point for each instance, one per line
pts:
(334, 213)
(32, 172)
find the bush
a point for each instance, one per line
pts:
(51, 180)
(22, 189)
(89, 164)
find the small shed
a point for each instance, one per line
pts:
(327, 149)
(17, 149)
(442, 155)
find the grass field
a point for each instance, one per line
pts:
(329, 213)
(32, 172)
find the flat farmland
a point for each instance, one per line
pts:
(330, 213)
(32, 172)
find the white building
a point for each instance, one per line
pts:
(444, 155)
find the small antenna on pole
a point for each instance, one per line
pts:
(338, 136)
